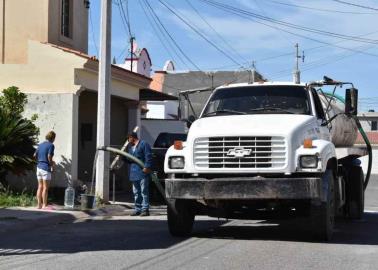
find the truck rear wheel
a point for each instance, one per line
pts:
(323, 215)
(355, 193)
(181, 218)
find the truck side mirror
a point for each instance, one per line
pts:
(351, 101)
(190, 120)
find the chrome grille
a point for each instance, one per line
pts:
(240, 152)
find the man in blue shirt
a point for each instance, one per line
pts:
(44, 156)
(140, 177)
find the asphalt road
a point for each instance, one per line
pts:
(144, 243)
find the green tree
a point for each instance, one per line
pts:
(18, 135)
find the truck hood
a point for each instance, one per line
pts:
(247, 125)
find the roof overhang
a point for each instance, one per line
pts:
(153, 95)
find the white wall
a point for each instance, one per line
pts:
(55, 112)
(162, 109)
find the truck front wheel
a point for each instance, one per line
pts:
(323, 215)
(355, 193)
(181, 218)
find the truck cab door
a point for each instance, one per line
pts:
(322, 130)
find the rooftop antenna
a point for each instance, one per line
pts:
(297, 72)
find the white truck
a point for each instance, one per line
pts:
(267, 149)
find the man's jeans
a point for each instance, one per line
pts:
(140, 190)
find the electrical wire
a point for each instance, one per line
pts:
(199, 33)
(355, 5)
(226, 43)
(318, 9)
(170, 36)
(287, 24)
(242, 15)
(126, 24)
(160, 35)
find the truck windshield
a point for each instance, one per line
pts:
(258, 100)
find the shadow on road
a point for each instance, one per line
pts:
(145, 234)
(95, 235)
(361, 232)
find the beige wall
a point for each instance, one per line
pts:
(23, 20)
(49, 70)
(79, 39)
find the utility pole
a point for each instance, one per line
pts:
(253, 72)
(103, 102)
(297, 73)
(132, 53)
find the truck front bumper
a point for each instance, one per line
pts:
(244, 188)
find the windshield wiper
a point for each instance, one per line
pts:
(271, 109)
(223, 111)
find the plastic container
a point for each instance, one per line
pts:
(87, 201)
(69, 198)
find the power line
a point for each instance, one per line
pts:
(126, 24)
(355, 5)
(199, 33)
(317, 9)
(232, 49)
(287, 24)
(241, 13)
(170, 36)
(160, 36)
(279, 32)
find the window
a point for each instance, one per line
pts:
(318, 105)
(66, 18)
(259, 100)
(374, 126)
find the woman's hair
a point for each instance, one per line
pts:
(50, 136)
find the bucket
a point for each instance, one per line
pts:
(87, 201)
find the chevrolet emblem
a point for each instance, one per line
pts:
(239, 152)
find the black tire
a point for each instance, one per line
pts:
(323, 215)
(355, 193)
(181, 218)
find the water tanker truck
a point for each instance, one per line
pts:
(269, 150)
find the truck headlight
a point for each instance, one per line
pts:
(176, 162)
(308, 161)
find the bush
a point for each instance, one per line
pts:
(18, 135)
(9, 199)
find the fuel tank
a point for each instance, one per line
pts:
(343, 129)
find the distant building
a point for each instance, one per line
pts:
(369, 124)
(172, 82)
(140, 63)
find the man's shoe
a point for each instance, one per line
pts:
(144, 214)
(135, 213)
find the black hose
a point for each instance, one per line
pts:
(141, 164)
(369, 149)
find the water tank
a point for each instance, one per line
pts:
(343, 128)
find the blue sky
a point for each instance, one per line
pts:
(266, 40)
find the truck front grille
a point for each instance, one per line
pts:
(240, 152)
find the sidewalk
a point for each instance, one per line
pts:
(26, 218)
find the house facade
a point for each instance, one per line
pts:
(43, 50)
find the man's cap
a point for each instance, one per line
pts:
(133, 134)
